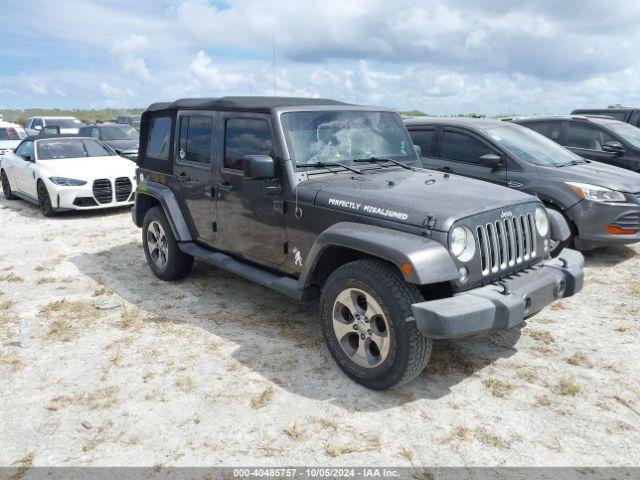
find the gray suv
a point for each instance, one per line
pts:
(322, 200)
(600, 202)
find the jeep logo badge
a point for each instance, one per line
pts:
(507, 214)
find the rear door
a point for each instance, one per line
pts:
(23, 169)
(250, 212)
(587, 140)
(193, 172)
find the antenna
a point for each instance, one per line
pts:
(274, 63)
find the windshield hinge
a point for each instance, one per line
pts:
(430, 223)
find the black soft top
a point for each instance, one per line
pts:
(251, 104)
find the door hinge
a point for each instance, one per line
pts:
(285, 247)
(280, 206)
(214, 226)
(430, 223)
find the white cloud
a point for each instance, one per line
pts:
(36, 86)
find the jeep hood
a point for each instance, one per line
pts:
(595, 173)
(410, 197)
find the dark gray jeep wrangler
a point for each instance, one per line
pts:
(317, 198)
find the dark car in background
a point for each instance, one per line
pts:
(629, 115)
(600, 202)
(132, 120)
(124, 139)
(597, 138)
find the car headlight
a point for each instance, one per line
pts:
(462, 244)
(67, 182)
(596, 193)
(542, 221)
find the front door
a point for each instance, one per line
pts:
(250, 212)
(193, 172)
(459, 151)
(23, 169)
(588, 140)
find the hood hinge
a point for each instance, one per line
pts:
(430, 223)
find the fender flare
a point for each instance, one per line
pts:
(430, 261)
(167, 199)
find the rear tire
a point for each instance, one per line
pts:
(364, 308)
(44, 200)
(6, 187)
(164, 257)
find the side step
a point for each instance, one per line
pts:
(286, 285)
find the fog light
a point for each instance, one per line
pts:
(464, 274)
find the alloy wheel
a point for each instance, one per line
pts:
(361, 328)
(157, 244)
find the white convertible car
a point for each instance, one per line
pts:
(67, 173)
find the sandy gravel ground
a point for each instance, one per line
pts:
(215, 370)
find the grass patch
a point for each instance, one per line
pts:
(11, 278)
(98, 400)
(488, 438)
(43, 280)
(541, 336)
(544, 401)
(567, 387)
(294, 432)
(579, 360)
(498, 388)
(262, 398)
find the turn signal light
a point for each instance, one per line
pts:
(616, 230)
(406, 268)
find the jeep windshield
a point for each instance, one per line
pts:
(118, 132)
(344, 136)
(530, 146)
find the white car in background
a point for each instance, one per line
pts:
(65, 125)
(67, 173)
(11, 134)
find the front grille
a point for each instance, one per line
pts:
(123, 188)
(102, 190)
(628, 221)
(84, 202)
(506, 243)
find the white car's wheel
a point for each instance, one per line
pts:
(44, 200)
(6, 187)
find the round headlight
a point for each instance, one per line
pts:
(542, 222)
(463, 245)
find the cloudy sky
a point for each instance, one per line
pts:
(439, 56)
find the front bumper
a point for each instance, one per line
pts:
(591, 219)
(83, 197)
(503, 304)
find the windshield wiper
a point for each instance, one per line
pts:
(329, 164)
(573, 162)
(384, 159)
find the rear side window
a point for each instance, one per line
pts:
(423, 139)
(246, 136)
(550, 130)
(463, 147)
(195, 139)
(159, 139)
(587, 137)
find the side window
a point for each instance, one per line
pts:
(586, 136)
(550, 130)
(37, 123)
(246, 136)
(95, 133)
(159, 138)
(423, 139)
(25, 148)
(463, 148)
(635, 118)
(195, 139)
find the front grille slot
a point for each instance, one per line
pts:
(123, 188)
(102, 190)
(506, 243)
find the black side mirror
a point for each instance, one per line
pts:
(27, 157)
(418, 150)
(259, 167)
(490, 160)
(613, 147)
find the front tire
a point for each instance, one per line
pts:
(164, 257)
(44, 200)
(6, 187)
(364, 308)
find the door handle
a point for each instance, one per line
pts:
(183, 178)
(447, 170)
